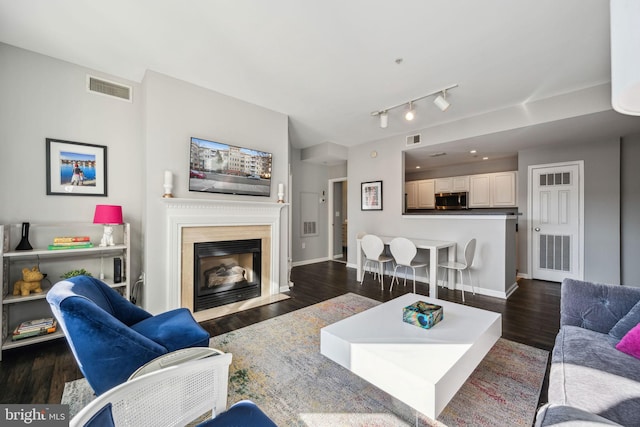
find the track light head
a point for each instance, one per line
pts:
(410, 114)
(441, 101)
(384, 119)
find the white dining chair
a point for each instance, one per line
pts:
(404, 251)
(469, 253)
(373, 248)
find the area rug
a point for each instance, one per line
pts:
(277, 364)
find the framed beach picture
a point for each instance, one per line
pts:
(76, 168)
(371, 196)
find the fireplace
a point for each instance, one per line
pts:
(226, 272)
(190, 221)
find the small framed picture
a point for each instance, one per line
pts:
(76, 168)
(371, 196)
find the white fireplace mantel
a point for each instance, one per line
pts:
(181, 213)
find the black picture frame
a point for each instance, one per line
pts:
(76, 168)
(371, 196)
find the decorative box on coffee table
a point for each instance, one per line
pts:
(422, 314)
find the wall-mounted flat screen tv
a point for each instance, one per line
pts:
(221, 168)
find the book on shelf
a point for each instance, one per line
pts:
(73, 246)
(71, 239)
(34, 328)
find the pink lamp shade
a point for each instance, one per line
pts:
(108, 214)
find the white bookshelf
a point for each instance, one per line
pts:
(96, 260)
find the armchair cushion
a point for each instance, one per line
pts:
(240, 414)
(173, 330)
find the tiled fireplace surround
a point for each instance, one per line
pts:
(192, 221)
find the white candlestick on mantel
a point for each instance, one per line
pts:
(168, 184)
(281, 193)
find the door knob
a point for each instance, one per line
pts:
(537, 228)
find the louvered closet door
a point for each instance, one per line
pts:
(555, 222)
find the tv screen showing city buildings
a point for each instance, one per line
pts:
(222, 168)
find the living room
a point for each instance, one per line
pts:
(44, 96)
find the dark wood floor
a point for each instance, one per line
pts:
(37, 373)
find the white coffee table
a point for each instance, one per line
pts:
(423, 368)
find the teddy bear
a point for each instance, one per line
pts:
(31, 282)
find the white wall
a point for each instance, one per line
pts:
(42, 97)
(174, 111)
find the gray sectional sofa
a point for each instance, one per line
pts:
(591, 382)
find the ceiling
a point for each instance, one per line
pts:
(328, 64)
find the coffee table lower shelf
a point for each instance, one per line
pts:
(423, 368)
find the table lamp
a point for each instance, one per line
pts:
(107, 215)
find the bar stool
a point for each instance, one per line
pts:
(373, 246)
(404, 251)
(469, 252)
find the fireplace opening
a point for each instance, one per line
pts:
(226, 272)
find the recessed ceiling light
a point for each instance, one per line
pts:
(417, 167)
(485, 158)
(473, 151)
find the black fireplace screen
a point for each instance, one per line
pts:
(226, 272)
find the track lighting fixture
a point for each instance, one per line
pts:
(410, 114)
(440, 101)
(384, 119)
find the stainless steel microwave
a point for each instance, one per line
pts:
(452, 200)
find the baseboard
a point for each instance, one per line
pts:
(523, 276)
(309, 261)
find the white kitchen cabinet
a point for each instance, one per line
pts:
(460, 183)
(411, 190)
(53, 262)
(444, 185)
(480, 191)
(493, 190)
(452, 185)
(426, 194)
(503, 190)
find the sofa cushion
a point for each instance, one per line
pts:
(630, 343)
(628, 322)
(587, 372)
(568, 416)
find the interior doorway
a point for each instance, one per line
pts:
(337, 206)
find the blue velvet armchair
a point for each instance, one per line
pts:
(110, 337)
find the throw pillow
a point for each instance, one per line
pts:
(624, 325)
(630, 343)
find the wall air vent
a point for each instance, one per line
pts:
(108, 88)
(413, 139)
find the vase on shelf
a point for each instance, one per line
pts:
(24, 244)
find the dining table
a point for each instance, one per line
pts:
(433, 246)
